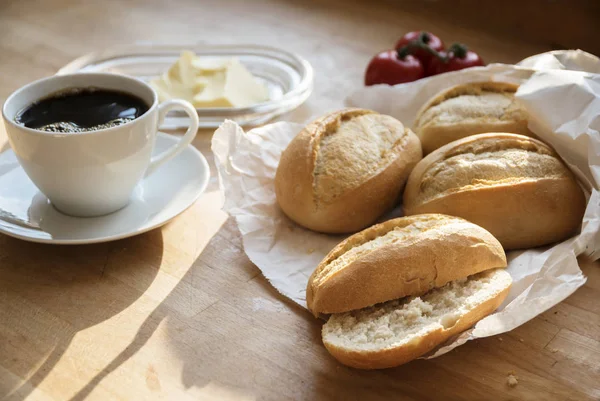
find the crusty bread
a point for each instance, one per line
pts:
(399, 331)
(345, 169)
(514, 186)
(401, 257)
(469, 109)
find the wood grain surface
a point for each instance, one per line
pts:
(180, 313)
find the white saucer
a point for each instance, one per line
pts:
(27, 214)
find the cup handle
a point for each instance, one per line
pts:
(189, 136)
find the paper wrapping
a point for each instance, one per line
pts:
(561, 92)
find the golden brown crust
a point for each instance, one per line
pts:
(438, 123)
(354, 206)
(526, 198)
(432, 250)
(390, 357)
(471, 88)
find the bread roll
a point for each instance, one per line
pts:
(515, 187)
(399, 331)
(345, 169)
(401, 257)
(469, 109)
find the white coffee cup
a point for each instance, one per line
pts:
(95, 172)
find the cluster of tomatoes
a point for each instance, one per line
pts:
(418, 54)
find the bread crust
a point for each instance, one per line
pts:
(356, 208)
(395, 356)
(434, 134)
(523, 212)
(448, 248)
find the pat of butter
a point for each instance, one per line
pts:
(209, 82)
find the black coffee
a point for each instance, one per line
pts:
(81, 110)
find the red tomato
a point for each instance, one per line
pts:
(457, 59)
(436, 65)
(426, 38)
(387, 68)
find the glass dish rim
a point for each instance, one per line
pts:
(305, 71)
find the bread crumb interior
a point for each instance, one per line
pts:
(393, 323)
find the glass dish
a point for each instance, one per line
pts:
(288, 77)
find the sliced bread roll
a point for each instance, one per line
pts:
(399, 331)
(345, 169)
(514, 186)
(469, 109)
(401, 257)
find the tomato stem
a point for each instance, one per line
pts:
(424, 37)
(420, 43)
(459, 50)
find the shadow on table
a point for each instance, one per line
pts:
(48, 293)
(240, 306)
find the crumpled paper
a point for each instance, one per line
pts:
(561, 92)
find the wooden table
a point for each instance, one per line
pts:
(180, 313)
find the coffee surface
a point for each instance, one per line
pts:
(82, 110)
